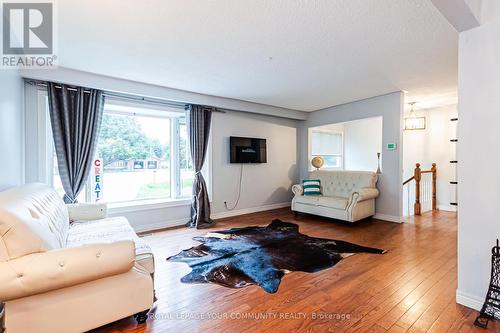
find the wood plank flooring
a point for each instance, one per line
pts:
(409, 289)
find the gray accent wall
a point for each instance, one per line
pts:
(11, 129)
(390, 108)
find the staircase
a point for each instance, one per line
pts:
(423, 184)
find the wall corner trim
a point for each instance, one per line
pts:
(468, 300)
(389, 218)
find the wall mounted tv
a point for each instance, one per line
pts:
(248, 150)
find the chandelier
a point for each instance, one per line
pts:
(412, 122)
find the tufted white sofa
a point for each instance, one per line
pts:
(345, 195)
(57, 276)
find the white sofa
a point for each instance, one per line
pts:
(57, 276)
(345, 195)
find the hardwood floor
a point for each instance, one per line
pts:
(409, 289)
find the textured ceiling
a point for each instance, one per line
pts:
(298, 54)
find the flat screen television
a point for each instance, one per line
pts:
(248, 150)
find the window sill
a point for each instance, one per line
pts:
(134, 206)
(327, 169)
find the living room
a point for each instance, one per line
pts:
(249, 166)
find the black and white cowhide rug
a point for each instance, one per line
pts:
(240, 257)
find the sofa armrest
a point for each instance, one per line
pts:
(87, 212)
(365, 194)
(297, 189)
(45, 271)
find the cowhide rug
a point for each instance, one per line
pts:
(240, 257)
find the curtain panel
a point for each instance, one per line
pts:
(75, 116)
(198, 124)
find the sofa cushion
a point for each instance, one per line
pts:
(333, 202)
(33, 218)
(343, 183)
(319, 200)
(307, 199)
(110, 229)
(311, 186)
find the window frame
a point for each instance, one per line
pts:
(37, 139)
(39, 158)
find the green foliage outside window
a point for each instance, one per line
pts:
(122, 139)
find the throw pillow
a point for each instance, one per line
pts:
(311, 186)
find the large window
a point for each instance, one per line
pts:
(142, 155)
(135, 154)
(329, 146)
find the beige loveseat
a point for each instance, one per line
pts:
(57, 276)
(345, 195)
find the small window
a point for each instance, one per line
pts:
(329, 146)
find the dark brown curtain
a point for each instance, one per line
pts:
(198, 124)
(75, 115)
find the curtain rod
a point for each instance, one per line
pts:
(130, 97)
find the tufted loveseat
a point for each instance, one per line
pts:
(345, 195)
(57, 276)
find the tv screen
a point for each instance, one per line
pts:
(247, 150)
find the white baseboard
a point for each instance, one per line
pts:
(181, 222)
(468, 300)
(221, 215)
(161, 225)
(447, 208)
(243, 211)
(389, 218)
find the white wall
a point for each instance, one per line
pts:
(478, 158)
(390, 108)
(146, 219)
(490, 10)
(266, 184)
(362, 142)
(433, 145)
(11, 129)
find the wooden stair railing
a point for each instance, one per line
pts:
(417, 176)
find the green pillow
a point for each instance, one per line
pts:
(311, 186)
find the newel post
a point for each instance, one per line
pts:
(418, 176)
(434, 186)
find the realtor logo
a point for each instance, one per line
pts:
(27, 34)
